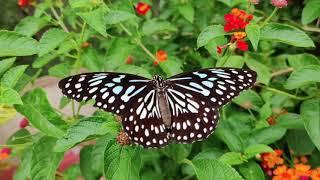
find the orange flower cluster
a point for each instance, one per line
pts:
(237, 20)
(274, 165)
(5, 153)
(161, 55)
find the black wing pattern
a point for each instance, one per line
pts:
(194, 99)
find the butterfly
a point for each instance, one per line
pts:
(184, 108)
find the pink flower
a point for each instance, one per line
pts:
(279, 3)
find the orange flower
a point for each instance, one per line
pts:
(273, 158)
(85, 44)
(5, 153)
(283, 173)
(161, 55)
(142, 8)
(129, 60)
(315, 174)
(303, 159)
(302, 170)
(239, 35)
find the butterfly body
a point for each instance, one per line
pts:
(183, 108)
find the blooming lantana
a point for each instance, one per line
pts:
(279, 3)
(142, 8)
(269, 160)
(236, 20)
(161, 56)
(23, 123)
(23, 3)
(5, 153)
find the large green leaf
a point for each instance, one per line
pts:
(251, 171)
(9, 96)
(11, 77)
(92, 59)
(44, 162)
(232, 158)
(298, 61)
(91, 126)
(233, 141)
(249, 99)
(254, 149)
(96, 20)
(207, 169)
(121, 162)
(115, 17)
(177, 151)
(137, 70)
(286, 34)
(267, 135)
(15, 44)
(87, 163)
(233, 61)
(187, 11)
(45, 59)
(23, 171)
(5, 64)
(263, 71)
(208, 34)
(290, 121)
(61, 70)
(253, 33)
(171, 67)
(40, 114)
(50, 40)
(310, 111)
(310, 12)
(303, 76)
(30, 25)
(153, 26)
(299, 142)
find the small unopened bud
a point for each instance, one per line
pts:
(123, 139)
(279, 3)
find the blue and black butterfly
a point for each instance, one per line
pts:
(183, 108)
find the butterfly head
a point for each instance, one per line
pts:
(159, 81)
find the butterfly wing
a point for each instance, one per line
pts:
(112, 92)
(194, 99)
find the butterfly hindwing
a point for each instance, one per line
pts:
(112, 92)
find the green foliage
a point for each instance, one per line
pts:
(62, 38)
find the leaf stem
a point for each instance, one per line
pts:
(282, 71)
(271, 15)
(73, 109)
(286, 94)
(61, 23)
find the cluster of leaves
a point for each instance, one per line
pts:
(61, 38)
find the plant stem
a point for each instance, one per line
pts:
(282, 71)
(55, 14)
(286, 94)
(73, 109)
(268, 18)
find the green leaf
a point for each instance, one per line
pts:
(96, 20)
(40, 114)
(61, 70)
(115, 17)
(254, 149)
(233, 141)
(212, 153)
(44, 161)
(208, 34)
(153, 26)
(45, 59)
(207, 169)
(310, 112)
(11, 77)
(63, 102)
(310, 12)
(251, 171)
(263, 71)
(9, 96)
(233, 61)
(232, 3)
(232, 158)
(91, 126)
(50, 40)
(92, 60)
(299, 142)
(177, 152)
(23, 171)
(15, 44)
(303, 76)
(267, 135)
(253, 33)
(290, 121)
(171, 67)
(298, 61)
(20, 137)
(121, 162)
(5, 64)
(30, 25)
(249, 99)
(187, 11)
(87, 163)
(286, 34)
(134, 70)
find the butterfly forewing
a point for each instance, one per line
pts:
(112, 92)
(218, 85)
